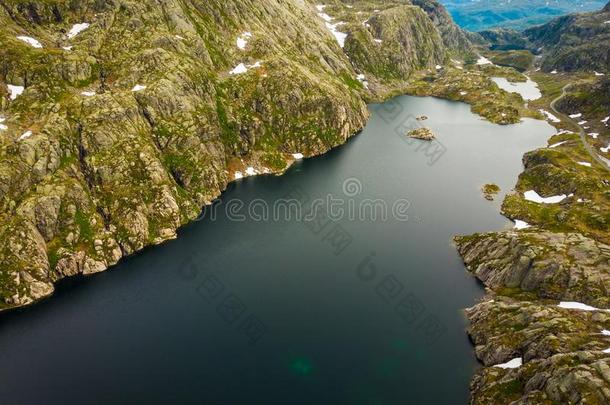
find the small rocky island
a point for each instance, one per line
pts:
(490, 191)
(424, 134)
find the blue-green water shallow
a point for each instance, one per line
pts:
(155, 329)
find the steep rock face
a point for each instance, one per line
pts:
(125, 130)
(567, 267)
(562, 353)
(106, 170)
(454, 38)
(409, 38)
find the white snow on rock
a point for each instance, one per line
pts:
(576, 115)
(438, 67)
(25, 135)
(578, 306)
(30, 41)
(463, 93)
(483, 61)
(585, 164)
(2, 126)
(250, 171)
(242, 41)
(557, 144)
(16, 91)
(533, 196)
(242, 68)
(239, 69)
(606, 149)
(339, 36)
(554, 72)
(239, 175)
(77, 29)
(521, 224)
(138, 87)
(605, 120)
(606, 332)
(582, 122)
(67, 48)
(88, 93)
(598, 74)
(514, 363)
(297, 156)
(593, 135)
(549, 116)
(362, 79)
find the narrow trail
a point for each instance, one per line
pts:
(583, 137)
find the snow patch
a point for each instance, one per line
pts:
(483, 61)
(557, 144)
(77, 29)
(533, 196)
(242, 41)
(362, 79)
(242, 68)
(514, 363)
(578, 306)
(297, 156)
(30, 41)
(250, 171)
(88, 93)
(549, 116)
(25, 135)
(16, 91)
(576, 115)
(593, 135)
(239, 175)
(585, 164)
(138, 87)
(339, 36)
(521, 224)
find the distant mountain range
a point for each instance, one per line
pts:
(575, 42)
(514, 14)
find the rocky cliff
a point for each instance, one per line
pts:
(120, 119)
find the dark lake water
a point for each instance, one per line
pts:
(346, 311)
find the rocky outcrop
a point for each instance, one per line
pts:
(425, 134)
(561, 350)
(559, 266)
